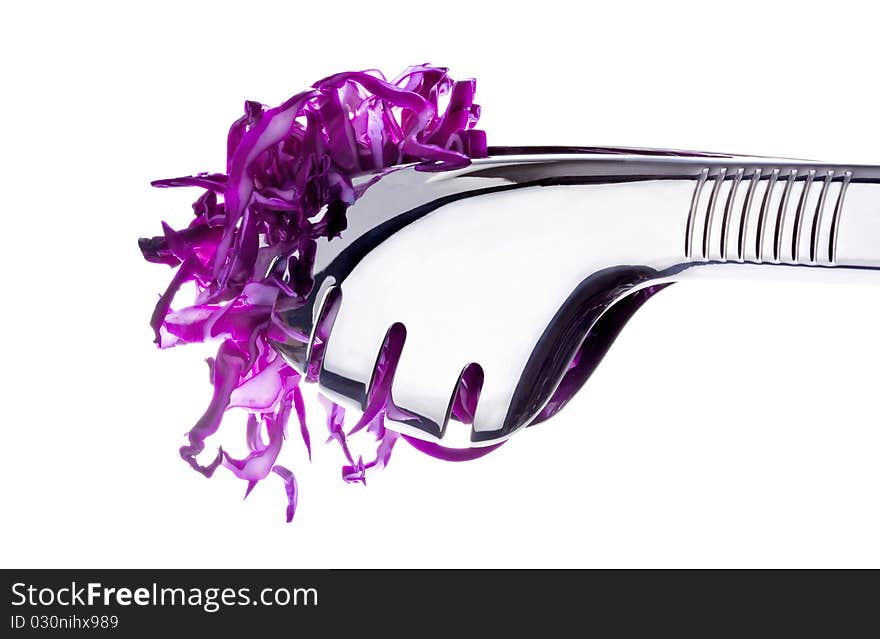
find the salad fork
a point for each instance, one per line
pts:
(524, 261)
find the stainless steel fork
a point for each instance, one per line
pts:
(512, 262)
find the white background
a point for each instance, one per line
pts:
(730, 425)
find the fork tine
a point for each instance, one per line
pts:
(495, 399)
(350, 356)
(426, 392)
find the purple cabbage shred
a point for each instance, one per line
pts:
(251, 245)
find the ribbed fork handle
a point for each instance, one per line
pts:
(797, 215)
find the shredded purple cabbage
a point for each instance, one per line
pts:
(250, 248)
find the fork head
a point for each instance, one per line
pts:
(493, 274)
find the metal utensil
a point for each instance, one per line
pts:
(512, 262)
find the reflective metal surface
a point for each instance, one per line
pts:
(510, 262)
